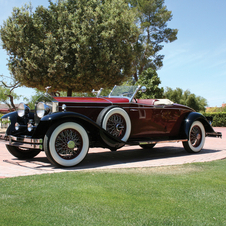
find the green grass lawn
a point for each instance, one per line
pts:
(191, 194)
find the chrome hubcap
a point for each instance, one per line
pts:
(119, 127)
(71, 144)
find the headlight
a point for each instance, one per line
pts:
(22, 110)
(30, 125)
(42, 109)
(17, 126)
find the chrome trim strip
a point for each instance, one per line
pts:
(84, 106)
(139, 106)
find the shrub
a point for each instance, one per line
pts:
(219, 118)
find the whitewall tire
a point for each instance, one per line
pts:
(117, 122)
(66, 144)
(196, 138)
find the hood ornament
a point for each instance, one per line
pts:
(97, 92)
(47, 88)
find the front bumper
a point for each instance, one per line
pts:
(25, 142)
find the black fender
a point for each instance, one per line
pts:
(195, 116)
(13, 117)
(86, 122)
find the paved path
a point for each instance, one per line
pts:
(126, 157)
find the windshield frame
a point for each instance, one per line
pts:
(128, 92)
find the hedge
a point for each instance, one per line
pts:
(219, 118)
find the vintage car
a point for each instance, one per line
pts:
(66, 127)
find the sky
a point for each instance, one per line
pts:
(196, 61)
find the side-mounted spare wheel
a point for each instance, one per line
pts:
(115, 121)
(196, 138)
(66, 144)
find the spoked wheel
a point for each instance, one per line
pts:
(116, 126)
(22, 153)
(196, 138)
(116, 122)
(66, 144)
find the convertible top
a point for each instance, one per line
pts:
(163, 101)
(155, 101)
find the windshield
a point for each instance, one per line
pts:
(124, 91)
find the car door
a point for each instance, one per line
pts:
(150, 120)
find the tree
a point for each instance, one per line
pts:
(7, 94)
(176, 95)
(149, 78)
(71, 45)
(152, 18)
(186, 98)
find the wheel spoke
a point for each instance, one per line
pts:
(62, 146)
(195, 136)
(116, 126)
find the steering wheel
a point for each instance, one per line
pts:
(126, 93)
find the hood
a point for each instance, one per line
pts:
(91, 100)
(183, 107)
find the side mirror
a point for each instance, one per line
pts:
(143, 89)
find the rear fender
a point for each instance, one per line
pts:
(195, 116)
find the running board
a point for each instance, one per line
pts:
(161, 141)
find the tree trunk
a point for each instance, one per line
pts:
(69, 92)
(135, 76)
(13, 107)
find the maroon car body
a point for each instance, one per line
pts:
(65, 127)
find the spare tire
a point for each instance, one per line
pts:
(115, 121)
